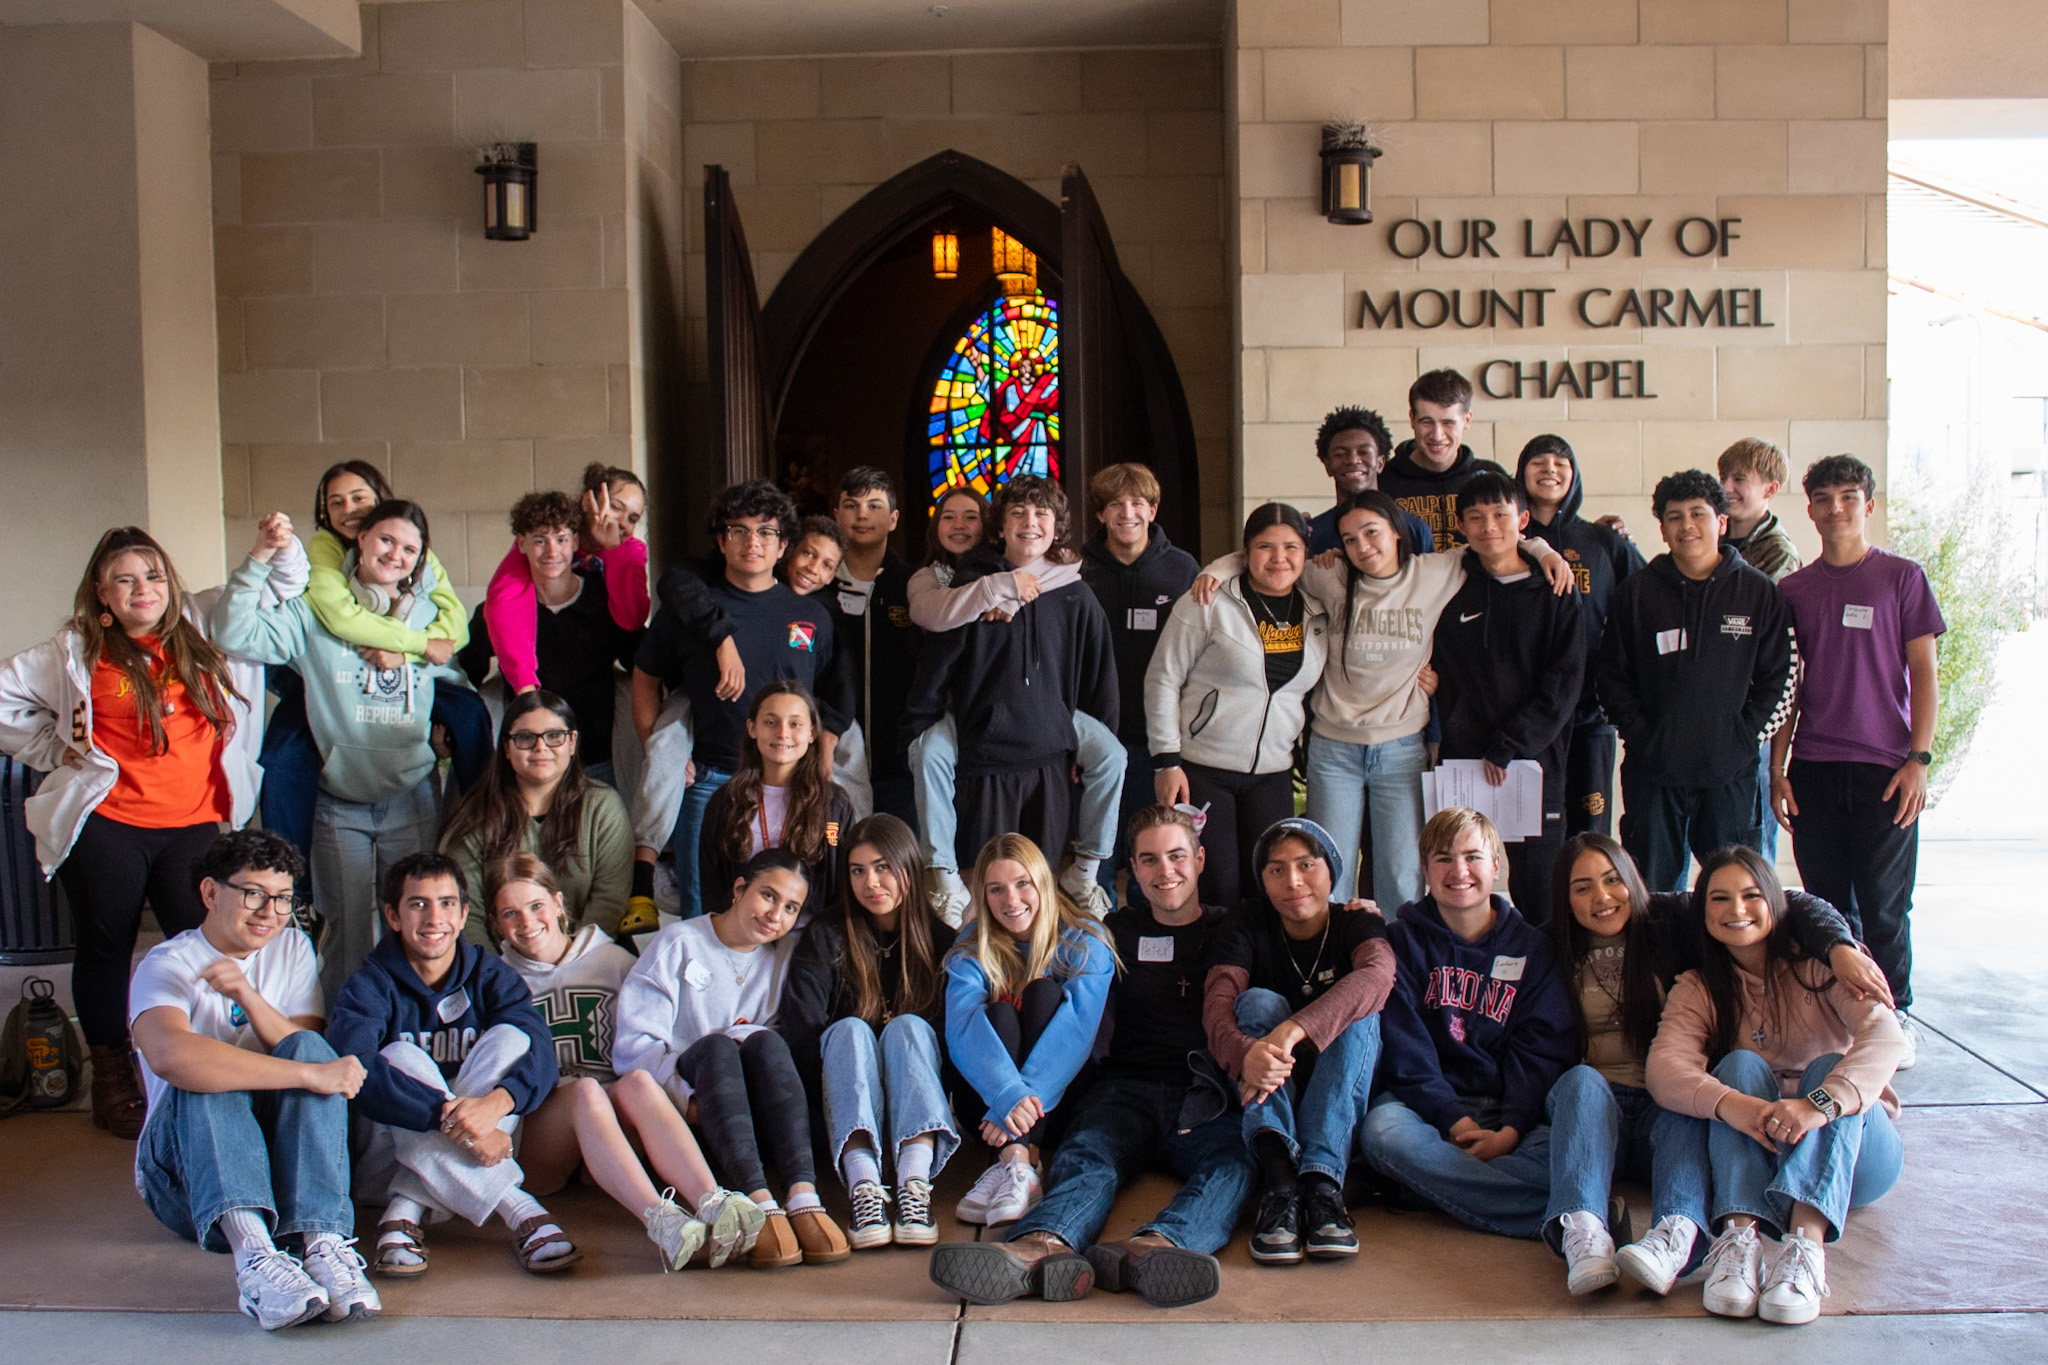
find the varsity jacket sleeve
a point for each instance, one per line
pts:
(1615, 676)
(608, 843)
(243, 625)
(1186, 635)
(1777, 668)
(31, 684)
(506, 1000)
(649, 1005)
(1359, 993)
(971, 1040)
(1548, 709)
(1096, 692)
(509, 615)
(1542, 1041)
(1408, 1059)
(1059, 1052)
(356, 1027)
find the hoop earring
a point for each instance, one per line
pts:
(106, 620)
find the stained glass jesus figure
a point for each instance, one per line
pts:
(1020, 412)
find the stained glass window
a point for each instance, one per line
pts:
(996, 407)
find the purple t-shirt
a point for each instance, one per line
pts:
(1853, 625)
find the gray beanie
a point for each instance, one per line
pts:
(1300, 827)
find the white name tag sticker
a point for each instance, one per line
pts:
(453, 1007)
(853, 603)
(1670, 641)
(1859, 618)
(1155, 949)
(1144, 618)
(697, 974)
(1509, 968)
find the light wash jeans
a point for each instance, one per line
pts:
(353, 843)
(284, 1152)
(888, 1090)
(689, 827)
(935, 755)
(1316, 1119)
(1506, 1195)
(1837, 1167)
(427, 1167)
(1597, 1127)
(1349, 782)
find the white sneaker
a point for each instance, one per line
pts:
(1588, 1254)
(1017, 1194)
(1656, 1261)
(914, 1225)
(1734, 1267)
(733, 1222)
(1086, 892)
(277, 1291)
(668, 888)
(870, 1226)
(1797, 1282)
(675, 1232)
(337, 1267)
(950, 903)
(974, 1204)
(1912, 1032)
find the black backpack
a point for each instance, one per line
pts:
(41, 1057)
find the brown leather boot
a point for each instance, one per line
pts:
(117, 1102)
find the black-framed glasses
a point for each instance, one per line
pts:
(527, 740)
(281, 905)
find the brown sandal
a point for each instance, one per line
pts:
(415, 1243)
(527, 1240)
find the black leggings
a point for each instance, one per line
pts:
(746, 1091)
(1242, 806)
(107, 875)
(1021, 1026)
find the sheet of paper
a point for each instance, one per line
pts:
(1515, 807)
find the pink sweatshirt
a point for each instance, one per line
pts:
(510, 603)
(1865, 1032)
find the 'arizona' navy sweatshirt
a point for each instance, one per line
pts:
(1474, 1022)
(385, 1002)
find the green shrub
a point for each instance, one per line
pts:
(1964, 541)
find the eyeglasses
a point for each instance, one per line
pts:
(527, 740)
(742, 534)
(281, 905)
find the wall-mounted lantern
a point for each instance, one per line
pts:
(1016, 267)
(1348, 154)
(945, 256)
(508, 169)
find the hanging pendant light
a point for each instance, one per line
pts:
(945, 256)
(1348, 154)
(1015, 267)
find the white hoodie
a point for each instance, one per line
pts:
(579, 998)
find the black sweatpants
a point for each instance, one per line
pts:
(1242, 806)
(1852, 856)
(107, 875)
(1033, 803)
(747, 1092)
(1589, 781)
(1530, 864)
(1020, 1026)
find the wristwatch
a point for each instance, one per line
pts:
(1830, 1108)
(1922, 757)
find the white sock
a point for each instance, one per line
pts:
(797, 1203)
(317, 1242)
(247, 1232)
(1082, 870)
(518, 1206)
(914, 1162)
(858, 1164)
(768, 1205)
(401, 1210)
(949, 881)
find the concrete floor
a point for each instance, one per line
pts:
(1982, 982)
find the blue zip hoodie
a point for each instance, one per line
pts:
(1469, 1022)
(979, 1055)
(385, 1002)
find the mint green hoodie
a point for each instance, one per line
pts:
(371, 724)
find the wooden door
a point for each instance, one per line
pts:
(742, 432)
(1088, 335)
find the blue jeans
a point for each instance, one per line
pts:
(1837, 1167)
(1136, 764)
(689, 826)
(1124, 1125)
(1316, 1116)
(1769, 847)
(1506, 1195)
(282, 1151)
(895, 1080)
(935, 756)
(1597, 1127)
(1347, 783)
(1102, 759)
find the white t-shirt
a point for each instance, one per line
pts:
(283, 971)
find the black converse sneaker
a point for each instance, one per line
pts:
(1276, 1229)
(870, 1226)
(1326, 1223)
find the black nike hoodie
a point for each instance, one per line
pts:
(1601, 558)
(1137, 598)
(1430, 493)
(1696, 673)
(1510, 660)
